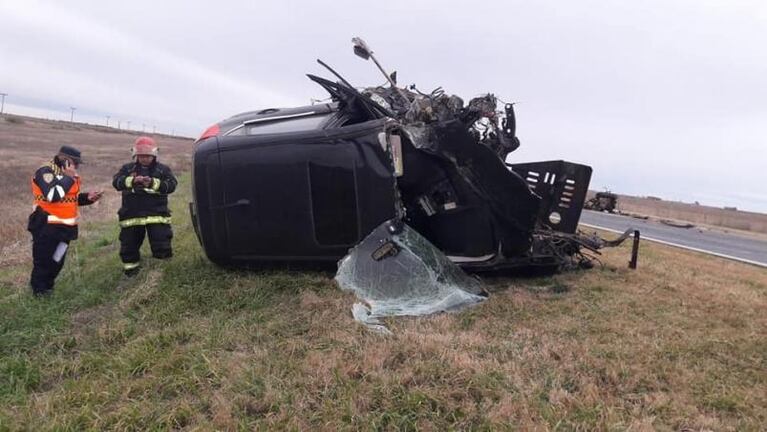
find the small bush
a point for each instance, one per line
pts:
(14, 119)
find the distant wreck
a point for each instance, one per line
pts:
(409, 190)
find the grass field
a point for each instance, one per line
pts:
(679, 344)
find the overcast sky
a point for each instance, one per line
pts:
(665, 98)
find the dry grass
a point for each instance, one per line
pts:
(27, 143)
(679, 344)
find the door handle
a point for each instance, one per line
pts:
(238, 203)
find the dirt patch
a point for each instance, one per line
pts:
(86, 322)
(143, 293)
(99, 321)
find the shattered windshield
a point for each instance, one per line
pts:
(401, 273)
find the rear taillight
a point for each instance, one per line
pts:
(210, 132)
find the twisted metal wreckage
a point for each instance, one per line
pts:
(415, 183)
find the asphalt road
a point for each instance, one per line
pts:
(727, 245)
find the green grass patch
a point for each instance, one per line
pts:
(189, 345)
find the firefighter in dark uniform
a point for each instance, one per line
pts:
(53, 223)
(145, 184)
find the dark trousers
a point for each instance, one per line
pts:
(44, 271)
(131, 239)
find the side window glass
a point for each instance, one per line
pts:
(289, 125)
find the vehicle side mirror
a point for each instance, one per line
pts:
(361, 48)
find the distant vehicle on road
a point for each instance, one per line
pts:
(603, 201)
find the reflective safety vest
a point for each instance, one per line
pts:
(62, 212)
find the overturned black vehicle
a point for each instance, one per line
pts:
(308, 183)
(375, 166)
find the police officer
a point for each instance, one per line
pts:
(53, 223)
(145, 184)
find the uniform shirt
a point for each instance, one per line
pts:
(139, 201)
(54, 184)
(53, 187)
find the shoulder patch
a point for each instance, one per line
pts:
(48, 177)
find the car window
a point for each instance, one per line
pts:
(297, 124)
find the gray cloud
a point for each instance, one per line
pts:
(660, 97)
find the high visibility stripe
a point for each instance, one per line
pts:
(64, 211)
(155, 184)
(64, 221)
(63, 200)
(145, 221)
(130, 266)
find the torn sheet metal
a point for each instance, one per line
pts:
(483, 193)
(397, 272)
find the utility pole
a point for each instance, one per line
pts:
(108, 121)
(143, 127)
(154, 129)
(128, 127)
(2, 104)
(72, 114)
(118, 123)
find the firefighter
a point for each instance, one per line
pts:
(145, 184)
(56, 188)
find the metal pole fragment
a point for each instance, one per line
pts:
(634, 251)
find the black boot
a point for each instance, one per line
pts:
(165, 254)
(42, 293)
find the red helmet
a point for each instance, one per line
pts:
(144, 146)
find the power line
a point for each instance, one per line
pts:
(107, 118)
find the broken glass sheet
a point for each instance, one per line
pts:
(396, 271)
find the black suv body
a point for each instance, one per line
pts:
(309, 183)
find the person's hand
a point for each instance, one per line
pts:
(95, 196)
(69, 169)
(143, 180)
